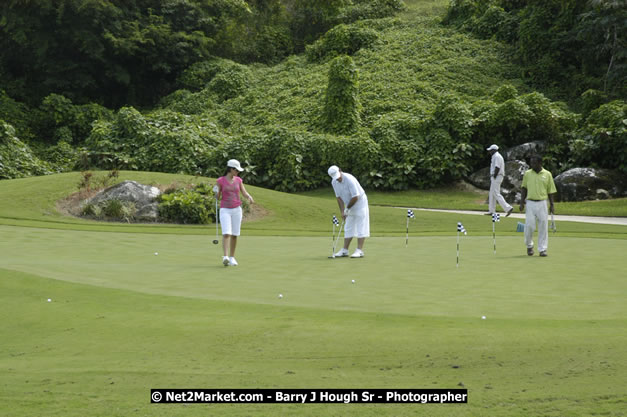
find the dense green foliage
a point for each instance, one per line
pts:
(119, 53)
(109, 51)
(195, 205)
(602, 141)
(400, 102)
(17, 160)
(564, 46)
(161, 141)
(341, 104)
(342, 39)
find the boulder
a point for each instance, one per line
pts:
(580, 184)
(524, 151)
(142, 196)
(510, 187)
(149, 212)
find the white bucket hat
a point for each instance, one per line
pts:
(334, 172)
(234, 163)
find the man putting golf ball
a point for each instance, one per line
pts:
(353, 204)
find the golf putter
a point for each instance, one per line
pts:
(553, 223)
(336, 239)
(215, 190)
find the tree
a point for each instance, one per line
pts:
(111, 51)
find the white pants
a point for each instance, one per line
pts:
(231, 220)
(495, 195)
(358, 223)
(537, 211)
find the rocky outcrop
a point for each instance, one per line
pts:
(576, 184)
(524, 151)
(510, 187)
(143, 197)
(580, 184)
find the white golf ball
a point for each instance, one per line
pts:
(353, 281)
(156, 253)
(482, 317)
(280, 295)
(49, 300)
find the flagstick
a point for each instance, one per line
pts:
(458, 249)
(407, 233)
(333, 241)
(494, 236)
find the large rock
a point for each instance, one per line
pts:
(142, 196)
(580, 184)
(524, 151)
(510, 187)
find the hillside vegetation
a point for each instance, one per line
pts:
(401, 101)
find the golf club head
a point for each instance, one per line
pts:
(215, 241)
(331, 257)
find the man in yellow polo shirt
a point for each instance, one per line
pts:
(537, 187)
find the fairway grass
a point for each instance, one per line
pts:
(123, 320)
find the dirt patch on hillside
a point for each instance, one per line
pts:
(71, 205)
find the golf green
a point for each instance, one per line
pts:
(123, 320)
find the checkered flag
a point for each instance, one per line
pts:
(410, 215)
(460, 228)
(496, 217)
(336, 222)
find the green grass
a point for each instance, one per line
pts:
(453, 198)
(31, 202)
(122, 321)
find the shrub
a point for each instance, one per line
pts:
(504, 93)
(592, 99)
(602, 141)
(92, 210)
(17, 114)
(60, 120)
(341, 107)
(454, 116)
(293, 160)
(62, 157)
(198, 75)
(17, 160)
(164, 141)
(230, 82)
(188, 206)
(399, 137)
(118, 210)
(341, 40)
(371, 9)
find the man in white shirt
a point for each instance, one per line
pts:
(497, 172)
(353, 204)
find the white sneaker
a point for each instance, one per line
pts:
(358, 254)
(232, 261)
(225, 261)
(342, 253)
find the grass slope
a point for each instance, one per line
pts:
(32, 201)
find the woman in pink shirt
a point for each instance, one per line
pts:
(230, 185)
